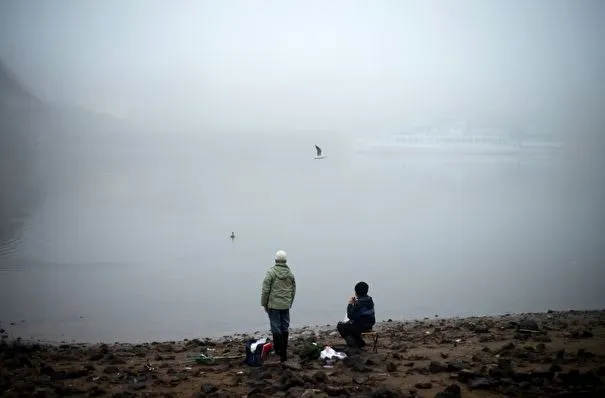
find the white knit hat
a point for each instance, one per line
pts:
(281, 256)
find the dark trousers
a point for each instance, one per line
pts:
(351, 333)
(279, 321)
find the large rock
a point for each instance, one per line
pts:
(314, 393)
(503, 370)
(506, 347)
(584, 354)
(255, 387)
(68, 390)
(164, 348)
(43, 392)
(575, 378)
(542, 338)
(528, 324)
(480, 328)
(465, 375)
(320, 376)
(292, 365)
(456, 365)
(289, 380)
(111, 370)
(356, 363)
(137, 386)
(481, 383)
(294, 392)
(520, 377)
(543, 372)
(437, 367)
(360, 379)
(335, 391)
(208, 388)
(582, 334)
(451, 391)
(385, 391)
(115, 360)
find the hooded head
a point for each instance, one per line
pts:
(361, 289)
(281, 257)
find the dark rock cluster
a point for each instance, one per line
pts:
(551, 354)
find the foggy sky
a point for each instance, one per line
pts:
(306, 70)
(246, 65)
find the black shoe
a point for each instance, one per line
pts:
(352, 351)
(351, 342)
(277, 343)
(284, 347)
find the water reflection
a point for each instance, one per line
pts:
(133, 243)
(20, 194)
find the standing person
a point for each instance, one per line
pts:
(278, 291)
(360, 312)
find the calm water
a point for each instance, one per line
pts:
(131, 243)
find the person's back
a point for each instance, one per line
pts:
(279, 287)
(278, 291)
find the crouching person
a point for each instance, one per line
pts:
(278, 291)
(360, 312)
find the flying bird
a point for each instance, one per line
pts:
(319, 153)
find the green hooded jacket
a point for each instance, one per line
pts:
(279, 288)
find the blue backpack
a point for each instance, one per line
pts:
(253, 358)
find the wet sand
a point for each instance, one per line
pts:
(558, 354)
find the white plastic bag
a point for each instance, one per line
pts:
(329, 353)
(256, 343)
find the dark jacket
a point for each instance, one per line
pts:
(361, 312)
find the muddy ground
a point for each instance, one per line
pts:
(558, 354)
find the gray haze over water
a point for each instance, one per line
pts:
(117, 227)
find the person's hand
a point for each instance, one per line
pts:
(352, 300)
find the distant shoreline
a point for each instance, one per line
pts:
(294, 332)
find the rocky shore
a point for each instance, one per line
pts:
(552, 354)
